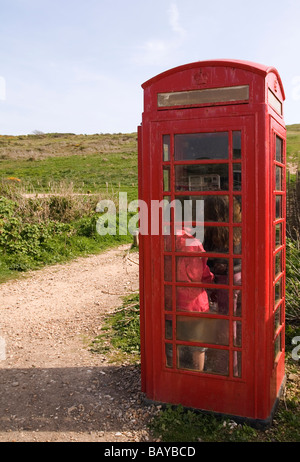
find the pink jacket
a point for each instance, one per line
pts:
(191, 269)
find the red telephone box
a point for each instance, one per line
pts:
(212, 302)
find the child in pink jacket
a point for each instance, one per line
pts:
(192, 269)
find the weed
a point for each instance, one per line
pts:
(120, 337)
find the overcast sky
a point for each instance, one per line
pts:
(77, 66)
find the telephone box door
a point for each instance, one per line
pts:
(199, 311)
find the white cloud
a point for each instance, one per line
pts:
(174, 20)
(156, 51)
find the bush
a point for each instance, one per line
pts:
(292, 280)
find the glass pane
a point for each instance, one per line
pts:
(237, 240)
(236, 144)
(278, 185)
(166, 178)
(168, 268)
(219, 267)
(169, 354)
(216, 208)
(168, 328)
(237, 272)
(278, 291)
(278, 235)
(279, 144)
(278, 263)
(277, 346)
(203, 330)
(166, 148)
(193, 269)
(237, 333)
(237, 364)
(168, 298)
(277, 319)
(167, 209)
(237, 177)
(167, 239)
(199, 146)
(237, 303)
(209, 360)
(216, 239)
(202, 300)
(201, 269)
(237, 209)
(278, 207)
(207, 177)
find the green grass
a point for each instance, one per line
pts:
(32, 236)
(293, 144)
(75, 171)
(120, 336)
(88, 174)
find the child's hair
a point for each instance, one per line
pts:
(216, 210)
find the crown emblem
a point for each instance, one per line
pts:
(201, 78)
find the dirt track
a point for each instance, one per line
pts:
(52, 388)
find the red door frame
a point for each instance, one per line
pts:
(230, 395)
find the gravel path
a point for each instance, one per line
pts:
(52, 388)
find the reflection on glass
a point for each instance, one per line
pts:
(237, 364)
(277, 346)
(216, 208)
(166, 178)
(208, 177)
(279, 144)
(168, 298)
(237, 240)
(277, 319)
(278, 291)
(168, 268)
(237, 209)
(215, 362)
(204, 330)
(236, 144)
(278, 235)
(278, 207)
(168, 328)
(237, 177)
(237, 271)
(237, 333)
(278, 185)
(167, 209)
(166, 148)
(199, 146)
(169, 354)
(198, 299)
(237, 303)
(278, 263)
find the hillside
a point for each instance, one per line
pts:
(293, 145)
(87, 163)
(91, 163)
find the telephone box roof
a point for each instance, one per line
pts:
(249, 66)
